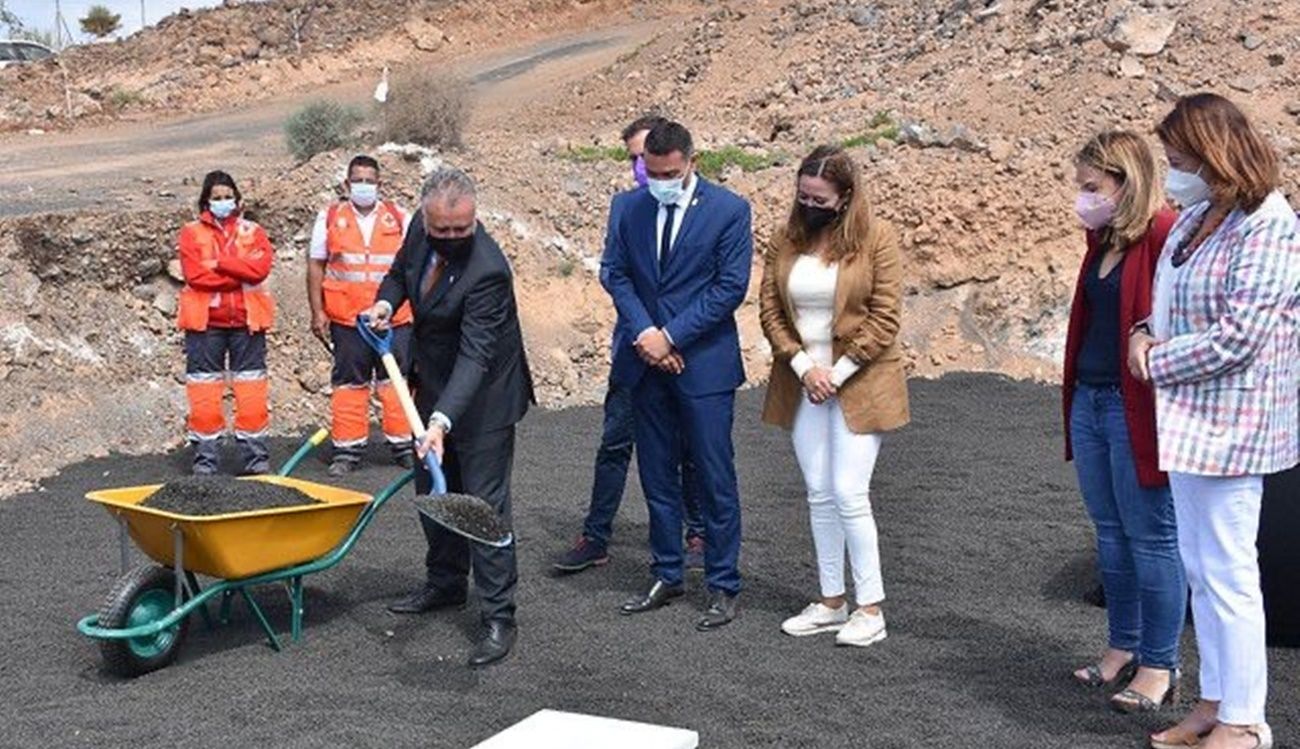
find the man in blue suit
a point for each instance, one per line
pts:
(677, 267)
(616, 441)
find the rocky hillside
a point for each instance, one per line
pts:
(195, 61)
(965, 114)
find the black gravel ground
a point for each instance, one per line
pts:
(218, 495)
(986, 552)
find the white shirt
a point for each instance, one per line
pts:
(365, 222)
(1162, 297)
(812, 294)
(683, 204)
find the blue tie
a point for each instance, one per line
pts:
(666, 241)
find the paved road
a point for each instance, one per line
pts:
(986, 554)
(103, 167)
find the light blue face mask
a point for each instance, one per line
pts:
(667, 191)
(1187, 188)
(363, 194)
(222, 209)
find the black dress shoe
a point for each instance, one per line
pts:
(427, 599)
(498, 638)
(659, 595)
(721, 610)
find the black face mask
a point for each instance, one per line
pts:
(816, 218)
(455, 248)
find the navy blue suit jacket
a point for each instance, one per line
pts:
(622, 336)
(695, 297)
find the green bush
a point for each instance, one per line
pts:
(588, 154)
(712, 163)
(428, 108)
(320, 126)
(882, 126)
(709, 163)
(120, 98)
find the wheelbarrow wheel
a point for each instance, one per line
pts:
(143, 595)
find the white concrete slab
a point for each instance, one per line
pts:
(553, 729)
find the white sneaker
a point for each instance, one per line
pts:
(862, 630)
(816, 617)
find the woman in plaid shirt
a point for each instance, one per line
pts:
(1220, 349)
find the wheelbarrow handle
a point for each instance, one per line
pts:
(311, 443)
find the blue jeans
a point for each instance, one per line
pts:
(1137, 536)
(612, 459)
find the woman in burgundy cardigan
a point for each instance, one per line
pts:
(1110, 423)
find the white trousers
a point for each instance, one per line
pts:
(1218, 522)
(837, 466)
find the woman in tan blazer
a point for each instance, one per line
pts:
(830, 307)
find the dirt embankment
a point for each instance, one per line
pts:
(243, 52)
(965, 116)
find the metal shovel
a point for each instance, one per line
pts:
(462, 514)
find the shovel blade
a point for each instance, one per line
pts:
(467, 516)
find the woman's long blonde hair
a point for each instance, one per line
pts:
(1124, 155)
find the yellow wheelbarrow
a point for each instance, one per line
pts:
(144, 619)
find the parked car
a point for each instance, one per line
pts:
(16, 51)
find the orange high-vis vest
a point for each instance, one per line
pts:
(354, 271)
(194, 304)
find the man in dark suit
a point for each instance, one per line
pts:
(472, 384)
(677, 267)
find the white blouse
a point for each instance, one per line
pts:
(812, 294)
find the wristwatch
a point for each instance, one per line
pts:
(1142, 327)
(439, 419)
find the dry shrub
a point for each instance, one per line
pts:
(427, 107)
(320, 126)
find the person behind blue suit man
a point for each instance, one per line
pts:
(677, 266)
(616, 441)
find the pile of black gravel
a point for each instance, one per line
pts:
(468, 515)
(219, 495)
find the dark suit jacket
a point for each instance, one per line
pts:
(466, 346)
(695, 297)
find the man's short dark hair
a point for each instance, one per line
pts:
(364, 161)
(667, 137)
(644, 122)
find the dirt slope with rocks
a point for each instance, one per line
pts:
(201, 60)
(964, 114)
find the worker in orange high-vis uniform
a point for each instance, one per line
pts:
(352, 247)
(225, 312)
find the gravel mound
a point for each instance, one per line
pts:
(219, 495)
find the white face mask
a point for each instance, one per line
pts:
(363, 194)
(667, 191)
(1186, 189)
